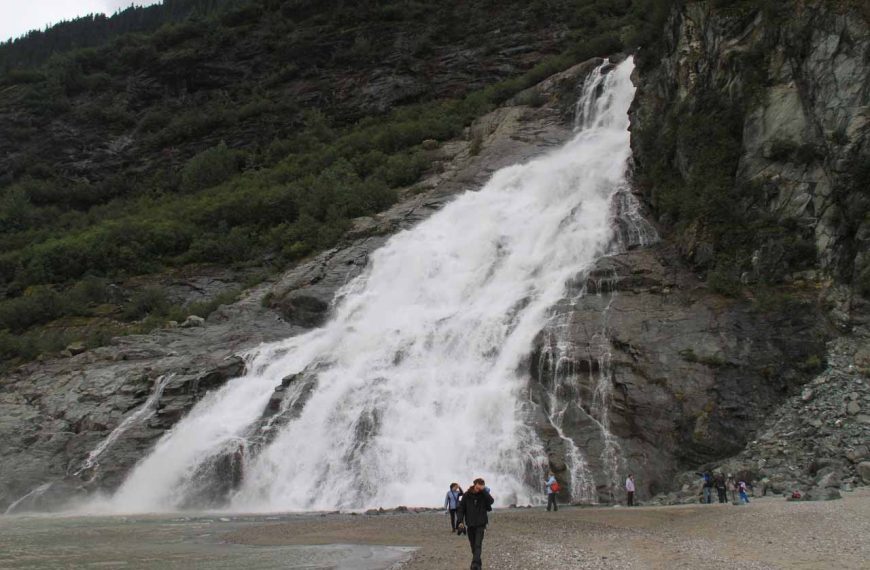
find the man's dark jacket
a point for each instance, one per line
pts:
(473, 508)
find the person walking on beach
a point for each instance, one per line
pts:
(741, 487)
(552, 490)
(629, 489)
(473, 518)
(451, 503)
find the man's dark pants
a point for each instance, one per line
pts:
(551, 501)
(475, 539)
(630, 498)
(453, 519)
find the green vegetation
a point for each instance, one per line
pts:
(711, 360)
(233, 132)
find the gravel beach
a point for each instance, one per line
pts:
(768, 533)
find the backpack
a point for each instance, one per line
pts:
(555, 487)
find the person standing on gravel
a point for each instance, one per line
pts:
(552, 491)
(731, 486)
(721, 488)
(473, 509)
(629, 489)
(451, 503)
(708, 487)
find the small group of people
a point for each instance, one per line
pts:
(725, 487)
(468, 515)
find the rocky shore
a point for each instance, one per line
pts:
(817, 442)
(768, 533)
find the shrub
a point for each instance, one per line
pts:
(148, 301)
(38, 305)
(725, 280)
(209, 168)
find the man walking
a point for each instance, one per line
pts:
(472, 516)
(629, 489)
(552, 491)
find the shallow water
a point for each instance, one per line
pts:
(43, 542)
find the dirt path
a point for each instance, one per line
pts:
(769, 533)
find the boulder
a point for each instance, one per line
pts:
(76, 348)
(193, 321)
(863, 470)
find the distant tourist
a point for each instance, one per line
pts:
(731, 486)
(741, 488)
(721, 487)
(553, 489)
(629, 489)
(451, 503)
(473, 518)
(707, 480)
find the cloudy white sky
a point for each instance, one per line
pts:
(17, 17)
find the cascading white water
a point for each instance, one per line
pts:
(417, 380)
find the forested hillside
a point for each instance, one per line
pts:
(243, 134)
(95, 30)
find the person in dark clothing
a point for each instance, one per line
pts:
(721, 487)
(472, 516)
(451, 503)
(708, 487)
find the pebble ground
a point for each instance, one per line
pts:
(768, 533)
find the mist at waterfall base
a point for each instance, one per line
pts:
(417, 379)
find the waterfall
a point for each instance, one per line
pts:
(32, 496)
(416, 381)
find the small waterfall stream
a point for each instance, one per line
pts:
(141, 414)
(416, 380)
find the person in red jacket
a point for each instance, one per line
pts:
(472, 511)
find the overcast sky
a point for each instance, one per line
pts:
(17, 17)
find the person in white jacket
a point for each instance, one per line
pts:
(629, 489)
(552, 492)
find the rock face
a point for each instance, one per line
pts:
(652, 372)
(55, 415)
(793, 82)
(794, 79)
(810, 443)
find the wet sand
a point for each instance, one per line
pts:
(768, 533)
(44, 542)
